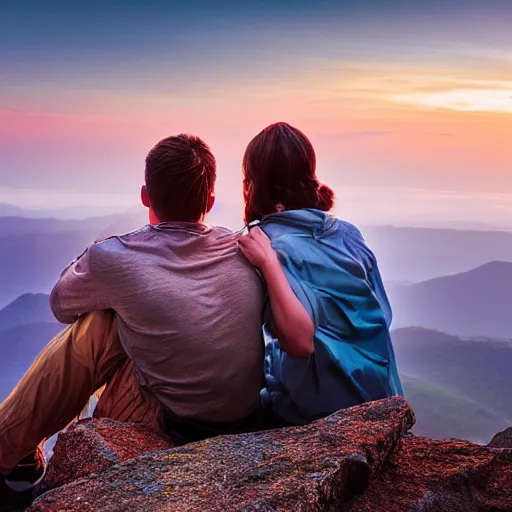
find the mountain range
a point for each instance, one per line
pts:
(442, 413)
(29, 308)
(450, 291)
(457, 387)
(26, 326)
(472, 303)
(74, 212)
(474, 369)
(33, 252)
(19, 346)
(420, 254)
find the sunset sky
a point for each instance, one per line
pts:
(408, 103)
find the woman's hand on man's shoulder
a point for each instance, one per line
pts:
(257, 248)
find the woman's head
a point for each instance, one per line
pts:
(279, 167)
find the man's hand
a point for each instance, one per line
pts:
(257, 249)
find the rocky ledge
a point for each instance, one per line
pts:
(359, 459)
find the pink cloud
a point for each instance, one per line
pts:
(20, 125)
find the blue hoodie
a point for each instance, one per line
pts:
(335, 276)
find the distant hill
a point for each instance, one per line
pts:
(473, 303)
(33, 262)
(27, 325)
(19, 346)
(441, 413)
(477, 369)
(26, 226)
(74, 212)
(29, 308)
(418, 254)
(33, 252)
(9, 210)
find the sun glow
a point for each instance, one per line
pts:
(466, 100)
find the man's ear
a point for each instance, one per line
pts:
(144, 196)
(211, 202)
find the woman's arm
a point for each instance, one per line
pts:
(295, 329)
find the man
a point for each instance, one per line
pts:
(183, 350)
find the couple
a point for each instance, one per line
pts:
(167, 320)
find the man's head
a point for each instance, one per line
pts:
(180, 179)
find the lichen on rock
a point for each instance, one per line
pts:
(91, 446)
(360, 459)
(309, 468)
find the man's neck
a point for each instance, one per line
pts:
(154, 221)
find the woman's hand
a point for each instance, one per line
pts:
(257, 249)
(295, 329)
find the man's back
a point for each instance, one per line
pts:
(188, 311)
(189, 315)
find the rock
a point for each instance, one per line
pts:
(358, 460)
(322, 466)
(88, 447)
(438, 476)
(91, 446)
(502, 439)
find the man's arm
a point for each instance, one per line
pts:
(79, 290)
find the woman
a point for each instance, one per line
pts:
(327, 332)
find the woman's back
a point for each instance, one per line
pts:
(334, 349)
(335, 276)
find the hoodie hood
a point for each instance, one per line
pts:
(308, 221)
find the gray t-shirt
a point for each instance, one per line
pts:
(189, 310)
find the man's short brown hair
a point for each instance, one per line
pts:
(180, 178)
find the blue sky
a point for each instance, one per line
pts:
(397, 96)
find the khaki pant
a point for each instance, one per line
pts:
(73, 366)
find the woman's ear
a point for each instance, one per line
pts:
(144, 196)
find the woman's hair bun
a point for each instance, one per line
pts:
(325, 198)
